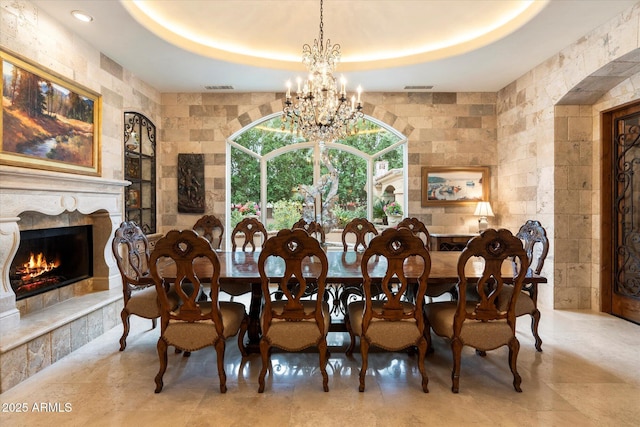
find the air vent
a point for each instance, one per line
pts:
(418, 87)
(218, 87)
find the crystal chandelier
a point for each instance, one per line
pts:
(320, 112)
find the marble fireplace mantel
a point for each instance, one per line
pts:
(51, 193)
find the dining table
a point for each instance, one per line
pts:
(344, 278)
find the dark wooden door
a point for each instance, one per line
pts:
(622, 278)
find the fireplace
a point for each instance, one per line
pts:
(32, 199)
(51, 258)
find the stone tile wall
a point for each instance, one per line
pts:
(548, 157)
(443, 129)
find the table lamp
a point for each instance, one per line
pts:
(483, 210)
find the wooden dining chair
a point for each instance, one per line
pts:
(294, 323)
(194, 324)
(248, 228)
(536, 245)
(362, 228)
(312, 228)
(211, 228)
(418, 228)
(480, 323)
(392, 323)
(130, 248)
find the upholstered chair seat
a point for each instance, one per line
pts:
(191, 336)
(296, 336)
(387, 335)
(144, 303)
(481, 336)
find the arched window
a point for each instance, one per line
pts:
(280, 176)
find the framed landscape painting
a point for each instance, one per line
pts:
(452, 185)
(47, 121)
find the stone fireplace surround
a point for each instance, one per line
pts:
(55, 326)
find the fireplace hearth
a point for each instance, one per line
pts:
(51, 258)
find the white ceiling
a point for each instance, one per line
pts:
(486, 64)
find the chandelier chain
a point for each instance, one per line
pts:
(321, 26)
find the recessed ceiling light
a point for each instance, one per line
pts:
(81, 16)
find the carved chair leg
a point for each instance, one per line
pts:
(243, 330)
(125, 323)
(220, 345)
(264, 353)
(427, 336)
(535, 321)
(456, 350)
(162, 355)
(364, 352)
(322, 349)
(514, 347)
(422, 351)
(352, 336)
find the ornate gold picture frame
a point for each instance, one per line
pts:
(47, 121)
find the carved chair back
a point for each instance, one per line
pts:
(418, 228)
(362, 228)
(296, 249)
(183, 248)
(536, 244)
(211, 228)
(131, 250)
(494, 247)
(312, 228)
(249, 227)
(396, 246)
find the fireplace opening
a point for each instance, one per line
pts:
(51, 258)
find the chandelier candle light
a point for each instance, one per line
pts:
(320, 111)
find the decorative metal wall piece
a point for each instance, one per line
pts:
(191, 196)
(627, 206)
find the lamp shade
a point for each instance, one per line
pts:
(483, 209)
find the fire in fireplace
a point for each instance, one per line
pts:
(51, 258)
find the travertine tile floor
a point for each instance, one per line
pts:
(588, 375)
